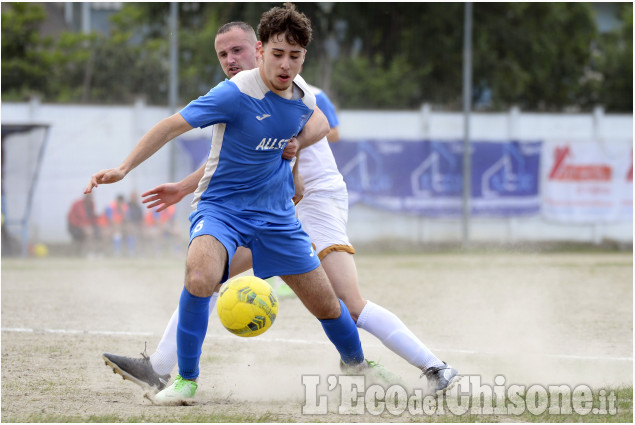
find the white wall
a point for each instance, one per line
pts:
(82, 141)
(369, 225)
(86, 138)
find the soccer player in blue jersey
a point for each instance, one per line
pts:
(323, 214)
(244, 199)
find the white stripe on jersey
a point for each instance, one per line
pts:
(212, 162)
(252, 87)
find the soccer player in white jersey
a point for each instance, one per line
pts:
(323, 212)
(244, 198)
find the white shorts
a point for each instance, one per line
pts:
(324, 219)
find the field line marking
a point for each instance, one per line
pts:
(575, 357)
(76, 332)
(448, 350)
(308, 342)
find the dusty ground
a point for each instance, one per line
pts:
(546, 319)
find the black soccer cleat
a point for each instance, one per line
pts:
(138, 371)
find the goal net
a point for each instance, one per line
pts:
(23, 147)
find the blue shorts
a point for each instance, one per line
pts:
(277, 249)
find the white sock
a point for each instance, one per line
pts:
(164, 358)
(394, 334)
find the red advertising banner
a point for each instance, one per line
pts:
(587, 182)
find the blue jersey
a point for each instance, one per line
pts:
(245, 173)
(325, 105)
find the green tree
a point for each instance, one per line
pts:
(69, 66)
(532, 54)
(539, 56)
(126, 63)
(389, 48)
(526, 54)
(614, 61)
(26, 64)
(353, 79)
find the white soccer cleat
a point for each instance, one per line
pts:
(179, 393)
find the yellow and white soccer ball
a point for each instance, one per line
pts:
(247, 306)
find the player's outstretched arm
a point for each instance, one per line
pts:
(334, 135)
(162, 132)
(314, 130)
(168, 194)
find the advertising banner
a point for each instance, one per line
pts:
(585, 182)
(426, 177)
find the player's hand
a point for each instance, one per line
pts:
(162, 196)
(111, 175)
(291, 149)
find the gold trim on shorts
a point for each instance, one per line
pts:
(333, 248)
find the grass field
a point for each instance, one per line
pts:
(522, 320)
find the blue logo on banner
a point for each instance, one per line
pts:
(440, 172)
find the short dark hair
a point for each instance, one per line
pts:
(237, 24)
(295, 26)
(230, 25)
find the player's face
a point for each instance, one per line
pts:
(281, 62)
(236, 51)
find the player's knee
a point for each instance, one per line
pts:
(355, 305)
(354, 315)
(329, 310)
(199, 283)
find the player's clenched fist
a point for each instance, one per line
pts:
(291, 149)
(111, 175)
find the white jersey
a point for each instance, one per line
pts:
(317, 165)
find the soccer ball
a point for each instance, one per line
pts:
(247, 306)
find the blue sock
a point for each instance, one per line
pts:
(131, 244)
(343, 334)
(190, 332)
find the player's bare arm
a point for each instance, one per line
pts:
(162, 132)
(298, 182)
(168, 194)
(334, 135)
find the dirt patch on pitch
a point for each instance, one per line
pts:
(535, 319)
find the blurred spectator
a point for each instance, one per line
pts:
(104, 232)
(116, 213)
(82, 225)
(162, 230)
(133, 227)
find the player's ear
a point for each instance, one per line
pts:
(259, 51)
